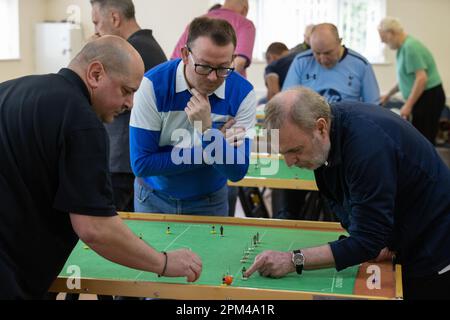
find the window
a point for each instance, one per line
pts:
(285, 21)
(9, 29)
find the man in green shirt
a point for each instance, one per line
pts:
(418, 79)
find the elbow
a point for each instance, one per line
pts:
(85, 229)
(236, 178)
(370, 247)
(239, 174)
(138, 168)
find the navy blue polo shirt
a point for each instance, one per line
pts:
(280, 67)
(389, 187)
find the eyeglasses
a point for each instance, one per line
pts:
(205, 70)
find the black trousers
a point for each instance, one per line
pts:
(288, 204)
(435, 287)
(427, 111)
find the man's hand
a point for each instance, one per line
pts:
(406, 111)
(199, 109)
(273, 264)
(235, 136)
(385, 255)
(384, 99)
(183, 263)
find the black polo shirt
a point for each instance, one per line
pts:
(118, 131)
(54, 160)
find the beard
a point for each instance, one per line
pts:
(320, 152)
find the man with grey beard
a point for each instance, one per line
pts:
(380, 176)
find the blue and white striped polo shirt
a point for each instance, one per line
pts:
(157, 117)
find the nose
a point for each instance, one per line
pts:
(290, 160)
(128, 104)
(212, 76)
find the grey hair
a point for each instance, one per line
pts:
(300, 105)
(126, 7)
(390, 24)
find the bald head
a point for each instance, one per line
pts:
(112, 71)
(326, 44)
(239, 6)
(325, 31)
(117, 56)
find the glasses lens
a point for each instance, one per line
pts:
(223, 72)
(203, 70)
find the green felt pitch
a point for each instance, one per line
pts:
(277, 168)
(220, 255)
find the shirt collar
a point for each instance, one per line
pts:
(182, 85)
(335, 155)
(344, 55)
(75, 79)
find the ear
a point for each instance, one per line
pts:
(185, 55)
(322, 126)
(95, 72)
(244, 11)
(116, 19)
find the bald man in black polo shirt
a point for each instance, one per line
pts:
(54, 177)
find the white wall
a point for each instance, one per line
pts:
(30, 12)
(426, 20)
(167, 18)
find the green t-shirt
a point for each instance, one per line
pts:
(411, 57)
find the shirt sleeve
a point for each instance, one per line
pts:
(270, 69)
(176, 54)
(84, 185)
(146, 156)
(246, 40)
(414, 60)
(294, 75)
(371, 176)
(370, 89)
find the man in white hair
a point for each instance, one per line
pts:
(418, 79)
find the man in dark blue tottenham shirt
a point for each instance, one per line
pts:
(381, 177)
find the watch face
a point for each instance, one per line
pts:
(299, 259)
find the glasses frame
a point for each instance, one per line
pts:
(211, 69)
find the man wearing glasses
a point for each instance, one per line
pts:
(181, 151)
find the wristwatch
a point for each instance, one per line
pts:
(298, 259)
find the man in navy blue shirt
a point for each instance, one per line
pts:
(381, 177)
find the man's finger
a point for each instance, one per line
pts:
(196, 272)
(257, 264)
(228, 125)
(195, 99)
(197, 94)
